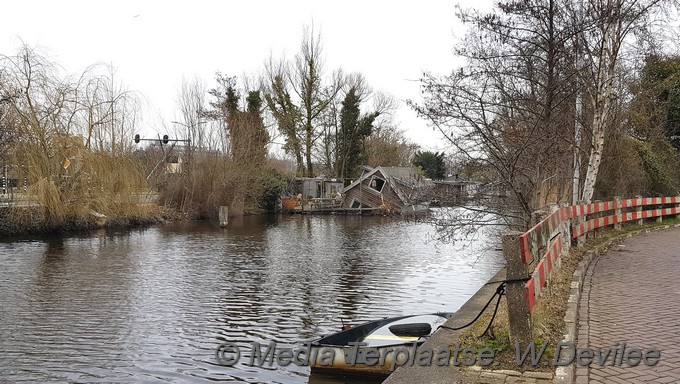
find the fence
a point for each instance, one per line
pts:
(542, 247)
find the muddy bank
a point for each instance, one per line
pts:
(20, 221)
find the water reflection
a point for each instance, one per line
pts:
(153, 304)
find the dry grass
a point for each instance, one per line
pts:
(94, 184)
(213, 181)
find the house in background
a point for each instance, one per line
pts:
(452, 189)
(391, 189)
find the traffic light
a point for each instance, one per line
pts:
(165, 139)
(137, 138)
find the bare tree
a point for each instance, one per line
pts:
(510, 107)
(102, 110)
(388, 146)
(192, 106)
(298, 95)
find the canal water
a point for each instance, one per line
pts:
(153, 304)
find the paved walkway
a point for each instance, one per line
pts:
(631, 294)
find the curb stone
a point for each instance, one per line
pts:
(505, 376)
(566, 374)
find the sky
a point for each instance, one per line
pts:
(153, 45)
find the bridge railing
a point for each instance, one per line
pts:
(542, 247)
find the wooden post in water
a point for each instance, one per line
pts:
(224, 216)
(519, 317)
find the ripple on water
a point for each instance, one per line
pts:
(152, 305)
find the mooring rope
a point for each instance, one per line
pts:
(500, 291)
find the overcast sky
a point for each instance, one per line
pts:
(153, 44)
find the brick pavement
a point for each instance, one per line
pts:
(632, 294)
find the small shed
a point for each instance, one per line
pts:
(318, 194)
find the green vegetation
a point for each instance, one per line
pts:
(641, 156)
(658, 94)
(432, 163)
(354, 129)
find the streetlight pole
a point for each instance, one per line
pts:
(162, 141)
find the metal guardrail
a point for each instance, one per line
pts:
(547, 241)
(533, 255)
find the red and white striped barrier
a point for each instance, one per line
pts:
(549, 261)
(547, 235)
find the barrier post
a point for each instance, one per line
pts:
(581, 239)
(638, 209)
(677, 207)
(617, 212)
(519, 317)
(595, 216)
(538, 216)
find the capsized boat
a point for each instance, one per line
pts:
(369, 348)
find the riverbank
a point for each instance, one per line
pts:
(33, 220)
(548, 319)
(447, 338)
(549, 323)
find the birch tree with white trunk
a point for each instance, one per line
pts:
(608, 24)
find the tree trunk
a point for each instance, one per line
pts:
(595, 158)
(309, 144)
(601, 106)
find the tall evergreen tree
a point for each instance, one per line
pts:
(354, 129)
(432, 163)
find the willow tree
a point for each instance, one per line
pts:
(72, 137)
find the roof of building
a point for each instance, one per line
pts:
(403, 180)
